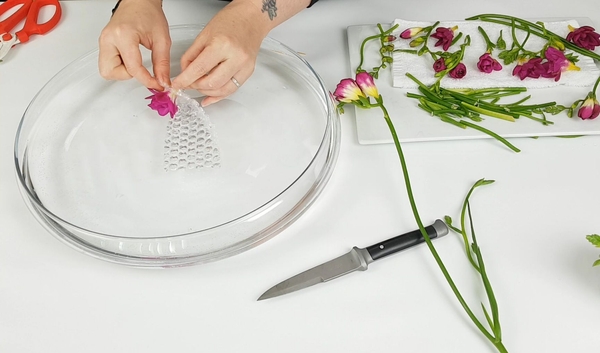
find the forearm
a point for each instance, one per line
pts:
(136, 3)
(268, 14)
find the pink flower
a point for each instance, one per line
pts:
(488, 64)
(444, 36)
(584, 37)
(439, 65)
(556, 63)
(590, 109)
(410, 32)
(390, 38)
(162, 102)
(532, 68)
(347, 91)
(365, 81)
(459, 71)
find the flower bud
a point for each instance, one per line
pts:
(347, 91)
(590, 109)
(416, 42)
(390, 38)
(410, 32)
(366, 83)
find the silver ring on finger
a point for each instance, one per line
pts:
(235, 82)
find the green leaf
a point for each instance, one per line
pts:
(596, 263)
(487, 317)
(500, 43)
(572, 58)
(555, 109)
(482, 182)
(594, 239)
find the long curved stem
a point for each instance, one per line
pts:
(415, 211)
(364, 42)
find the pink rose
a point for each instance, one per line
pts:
(584, 37)
(532, 68)
(439, 65)
(488, 64)
(162, 103)
(459, 71)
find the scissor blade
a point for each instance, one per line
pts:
(6, 45)
(356, 260)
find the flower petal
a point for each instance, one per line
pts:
(366, 83)
(347, 91)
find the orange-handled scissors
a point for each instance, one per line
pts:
(29, 11)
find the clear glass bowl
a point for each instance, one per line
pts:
(91, 162)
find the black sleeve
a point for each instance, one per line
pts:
(312, 2)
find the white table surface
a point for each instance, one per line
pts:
(531, 226)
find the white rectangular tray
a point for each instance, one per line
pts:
(415, 125)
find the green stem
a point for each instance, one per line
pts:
(596, 86)
(424, 232)
(488, 112)
(451, 121)
(495, 325)
(492, 134)
(538, 31)
(463, 231)
(364, 42)
(490, 46)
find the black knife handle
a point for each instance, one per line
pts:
(407, 240)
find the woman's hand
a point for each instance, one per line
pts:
(136, 22)
(224, 52)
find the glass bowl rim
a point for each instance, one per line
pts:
(332, 114)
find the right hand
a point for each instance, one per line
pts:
(136, 22)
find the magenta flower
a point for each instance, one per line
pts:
(390, 38)
(347, 91)
(590, 109)
(365, 81)
(439, 65)
(556, 63)
(458, 72)
(410, 32)
(162, 102)
(444, 35)
(585, 37)
(532, 68)
(488, 64)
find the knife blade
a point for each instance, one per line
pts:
(358, 259)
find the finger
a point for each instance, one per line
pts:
(110, 64)
(215, 95)
(219, 76)
(161, 61)
(229, 86)
(132, 58)
(192, 53)
(211, 100)
(199, 67)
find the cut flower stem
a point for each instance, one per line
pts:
(451, 104)
(495, 336)
(535, 29)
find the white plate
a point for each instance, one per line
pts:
(415, 125)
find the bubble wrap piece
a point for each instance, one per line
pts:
(190, 142)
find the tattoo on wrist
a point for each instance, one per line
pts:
(270, 7)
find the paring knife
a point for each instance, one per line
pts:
(358, 259)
